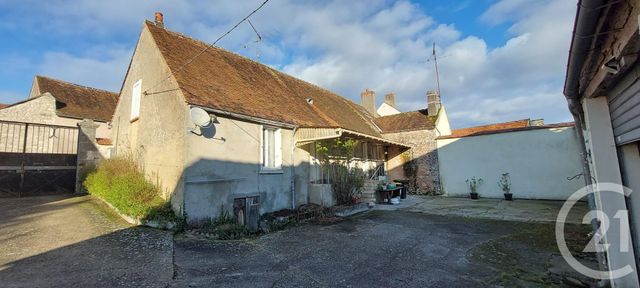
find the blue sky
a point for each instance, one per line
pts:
(500, 60)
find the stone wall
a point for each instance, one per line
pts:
(424, 153)
(88, 152)
(42, 110)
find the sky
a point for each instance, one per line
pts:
(498, 60)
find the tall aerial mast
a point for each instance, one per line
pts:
(435, 62)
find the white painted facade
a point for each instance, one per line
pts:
(443, 128)
(386, 110)
(538, 161)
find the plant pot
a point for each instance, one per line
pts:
(473, 195)
(508, 196)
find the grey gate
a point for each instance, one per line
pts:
(37, 159)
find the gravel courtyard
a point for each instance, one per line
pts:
(381, 249)
(64, 241)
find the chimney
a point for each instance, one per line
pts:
(536, 122)
(368, 101)
(390, 99)
(433, 103)
(159, 19)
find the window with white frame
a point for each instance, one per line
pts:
(271, 148)
(136, 92)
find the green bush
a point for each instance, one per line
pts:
(119, 182)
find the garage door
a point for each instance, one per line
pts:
(37, 159)
(625, 114)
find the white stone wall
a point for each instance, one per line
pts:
(42, 110)
(538, 161)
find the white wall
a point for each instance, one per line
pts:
(538, 161)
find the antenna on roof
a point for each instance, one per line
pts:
(257, 41)
(435, 62)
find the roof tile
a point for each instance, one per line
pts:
(222, 80)
(79, 101)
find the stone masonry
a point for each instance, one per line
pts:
(426, 156)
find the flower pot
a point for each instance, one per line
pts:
(473, 195)
(508, 196)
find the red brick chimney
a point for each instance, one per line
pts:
(368, 101)
(159, 19)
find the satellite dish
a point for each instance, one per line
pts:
(200, 118)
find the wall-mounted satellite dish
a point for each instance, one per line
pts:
(200, 118)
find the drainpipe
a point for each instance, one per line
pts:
(585, 27)
(293, 168)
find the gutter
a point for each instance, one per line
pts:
(585, 25)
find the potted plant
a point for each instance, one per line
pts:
(505, 184)
(473, 184)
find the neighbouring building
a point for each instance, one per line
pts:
(388, 107)
(260, 152)
(418, 129)
(539, 159)
(602, 89)
(57, 102)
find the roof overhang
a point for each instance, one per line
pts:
(309, 135)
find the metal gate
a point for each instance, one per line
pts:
(37, 159)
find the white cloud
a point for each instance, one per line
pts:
(344, 46)
(100, 67)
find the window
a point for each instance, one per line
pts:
(271, 149)
(135, 100)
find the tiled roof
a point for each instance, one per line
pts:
(406, 121)
(79, 101)
(104, 141)
(3, 105)
(513, 126)
(222, 80)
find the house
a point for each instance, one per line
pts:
(57, 102)
(260, 150)
(538, 157)
(388, 107)
(603, 92)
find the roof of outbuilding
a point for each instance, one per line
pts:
(79, 101)
(3, 105)
(223, 80)
(504, 127)
(406, 121)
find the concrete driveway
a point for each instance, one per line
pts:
(66, 241)
(381, 249)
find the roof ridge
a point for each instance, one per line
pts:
(74, 84)
(244, 58)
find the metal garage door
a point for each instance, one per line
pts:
(37, 159)
(625, 114)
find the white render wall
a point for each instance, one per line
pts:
(538, 161)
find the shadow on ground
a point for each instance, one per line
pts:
(378, 249)
(74, 241)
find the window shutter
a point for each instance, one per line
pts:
(278, 148)
(135, 99)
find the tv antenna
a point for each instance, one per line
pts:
(435, 63)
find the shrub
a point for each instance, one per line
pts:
(119, 182)
(346, 180)
(347, 183)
